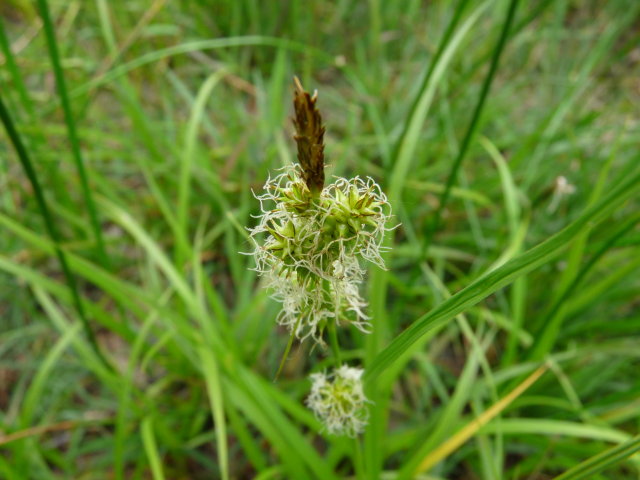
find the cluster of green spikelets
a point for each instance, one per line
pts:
(310, 243)
(311, 256)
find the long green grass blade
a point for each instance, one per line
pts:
(542, 426)
(211, 374)
(515, 268)
(546, 338)
(186, 165)
(403, 155)
(151, 448)
(475, 118)
(72, 131)
(14, 71)
(448, 46)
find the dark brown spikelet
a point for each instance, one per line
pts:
(309, 137)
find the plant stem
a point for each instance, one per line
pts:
(285, 355)
(335, 346)
(359, 466)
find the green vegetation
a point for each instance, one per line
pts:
(136, 342)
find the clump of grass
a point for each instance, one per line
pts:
(503, 335)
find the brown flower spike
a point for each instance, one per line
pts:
(309, 138)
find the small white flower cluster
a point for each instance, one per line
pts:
(338, 401)
(308, 248)
(561, 188)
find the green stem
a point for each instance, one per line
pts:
(335, 346)
(359, 465)
(285, 355)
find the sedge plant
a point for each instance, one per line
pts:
(499, 341)
(310, 245)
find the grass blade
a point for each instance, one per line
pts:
(212, 378)
(449, 415)
(548, 334)
(599, 462)
(151, 448)
(404, 154)
(460, 437)
(14, 71)
(543, 426)
(515, 268)
(466, 141)
(71, 128)
(184, 184)
(406, 147)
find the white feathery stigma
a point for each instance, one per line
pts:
(338, 401)
(309, 248)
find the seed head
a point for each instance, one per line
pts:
(338, 401)
(309, 250)
(311, 238)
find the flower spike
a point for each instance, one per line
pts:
(338, 401)
(311, 238)
(309, 137)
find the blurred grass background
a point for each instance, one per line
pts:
(177, 110)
